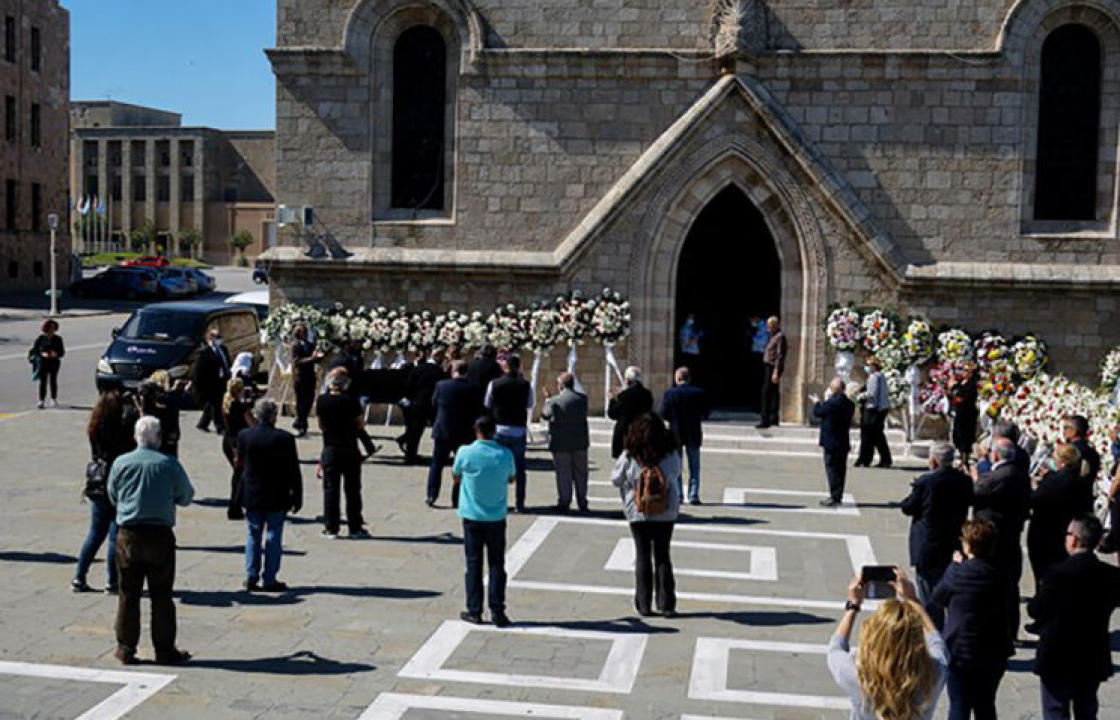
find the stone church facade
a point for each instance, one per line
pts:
(951, 159)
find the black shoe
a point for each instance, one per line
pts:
(362, 534)
(643, 613)
(328, 534)
(829, 502)
(695, 501)
(371, 451)
(500, 619)
(860, 463)
(301, 432)
(560, 509)
(203, 428)
(521, 509)
(404, 447)
(250, 586)
(275, 587)
(111, 590)
(79, 586)
(430, 502)
(175, 657)
(762, 426)
(883, 465)
(472, 618)
(125, 657)
(1033, 628)
(669, 613)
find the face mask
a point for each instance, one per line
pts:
(867, 369)
(217, 342)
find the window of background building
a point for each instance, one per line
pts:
(90, 152)
(163, 152)
(115, 188)
(163, 189)
(1069, 109)
(13, 269)
(9, 38)
(11, 117)
(36, 207)
(419, 90)
(186, 187)
(139, 188)
(36, 125)
(115, 154)
(11, 204)
(37, 269)
(93, 187)
(139, 151)
(36, 50)
(186, 154)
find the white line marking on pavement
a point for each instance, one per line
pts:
(617, 676)
(138, 687)
(858, 547)
(763, 560)
(710, 669)
(23, 355)
(393, 706)
(738, 496)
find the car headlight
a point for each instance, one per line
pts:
(104, 367)
(179, 371)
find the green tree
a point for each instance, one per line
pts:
(241, 240)
(190, 240)
(142, 238)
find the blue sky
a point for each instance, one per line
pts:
(201, 58)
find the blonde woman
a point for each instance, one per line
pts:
(237, 414)
(900, 667)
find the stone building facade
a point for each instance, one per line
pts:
(35, 90)
(148, 168)
(952, 159)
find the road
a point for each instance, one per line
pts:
(86, 337)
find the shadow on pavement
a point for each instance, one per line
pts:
(232, 549)
(303, 662)
(629, 624)
(233, 598)
(37, 557)
(441, 539)
(719, 520)
(763, 618)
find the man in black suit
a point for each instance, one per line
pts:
(1073, 608)
(209, 376)
(1021, 458)
(685, 406)
(773, 366)
(1061, 495)
(1074, 430)
(627, 404)
(484, 368)
(458, 403)
(1003, 496)
(305, 356)
(835, 415)
(938, 503)
(417, 401)
(271, 487)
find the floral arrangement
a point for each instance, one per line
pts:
(575, 312)
(891, 356)
(917, 342)
(878, 329)
(954, 346)
(991, 351)
(610, 318)
(475, 332)
(282, 321)
(898, 387)
(934, 395)
(843, 328)
(378, 330)
(544, 327)
(1028, 356)
(505, 329)
(400, 329)
(449, 330)
(1110, 370)
(424, 332)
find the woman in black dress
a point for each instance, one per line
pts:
(237, 411)
(963, 399)
(49, 349)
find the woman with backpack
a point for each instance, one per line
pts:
(645, 475)
(46, 358)
(110, 436)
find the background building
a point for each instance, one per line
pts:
(729, 158)
(148, 171)
(35, 85)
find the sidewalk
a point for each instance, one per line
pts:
(19, 313)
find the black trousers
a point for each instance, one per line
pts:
(415, 420)
(873, 438)
(836, 470)
(234, 509)
(972, 692)
(1058, 694)
(770, 397)
(146, 552)
(441, 456)
(48, 375)
(305, 398)
(1009, 561)
(653, 538)
(342, 470)
(212, 410)
(489, 537)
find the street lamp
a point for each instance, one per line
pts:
(52, 223)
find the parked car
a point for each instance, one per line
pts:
(168, 335)
(179, 273)
(172, 286)
(119, 282)
(153, 261)
(206, 283)
(260, 274)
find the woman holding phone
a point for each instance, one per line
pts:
(901, 665)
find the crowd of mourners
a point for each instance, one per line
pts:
(956, 624)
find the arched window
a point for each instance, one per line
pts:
(1069, 111)
(419, 95)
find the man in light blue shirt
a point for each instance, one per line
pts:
(483, 470)
(145, 486)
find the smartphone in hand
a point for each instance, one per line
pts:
(876, 580)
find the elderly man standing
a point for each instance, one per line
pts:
(145, 486)
(627, 404)
(874, 409)
(773, 365)
(568, 439)
(271, 487)
(835, 416)
(685, 406)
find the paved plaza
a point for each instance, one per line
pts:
(370, 629)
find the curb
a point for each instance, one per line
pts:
(21, 314)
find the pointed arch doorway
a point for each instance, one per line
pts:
(728, 273)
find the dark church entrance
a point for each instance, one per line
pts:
(728, 274)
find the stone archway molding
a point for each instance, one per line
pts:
(367, 15)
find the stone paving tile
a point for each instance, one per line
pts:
(27, 697)
(360, 610)
(528, 655)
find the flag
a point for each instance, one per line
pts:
(83, 205)
(101, 206)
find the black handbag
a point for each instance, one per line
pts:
(97, 479)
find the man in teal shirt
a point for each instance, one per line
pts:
(145, 486)
(483, 470)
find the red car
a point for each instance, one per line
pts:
(152, 261)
